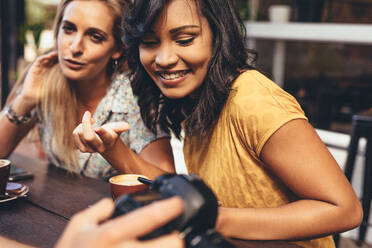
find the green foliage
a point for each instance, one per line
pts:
(36, 29)
(243, 9)
(38, 17)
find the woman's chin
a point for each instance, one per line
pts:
(174, 95)
(74, 75)
(176, 92)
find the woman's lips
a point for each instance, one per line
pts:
(74, 65)
(171, 79)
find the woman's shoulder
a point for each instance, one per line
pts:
(121, 84)
(253, 79)
(253, 85)
(257, 91)
(121, 94)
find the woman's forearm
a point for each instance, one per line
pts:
(125, 160)
(4, 242)
(11, 133)
(298, 220)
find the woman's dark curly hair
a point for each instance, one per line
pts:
(229, 58)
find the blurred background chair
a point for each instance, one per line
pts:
(361, 127)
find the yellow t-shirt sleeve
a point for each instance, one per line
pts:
(260, 107)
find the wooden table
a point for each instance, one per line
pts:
(54, 196)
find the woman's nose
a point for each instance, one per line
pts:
(76, 46)
(166, 57)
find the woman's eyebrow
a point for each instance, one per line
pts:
(98, 31)
(175, 30)
(90, 29)
(67, 22)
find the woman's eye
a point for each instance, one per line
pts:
(97, 38)
(67, 29)
(186, 42)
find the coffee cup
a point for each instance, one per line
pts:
(4, 175)
(126, 184)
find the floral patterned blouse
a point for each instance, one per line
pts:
(119, 104)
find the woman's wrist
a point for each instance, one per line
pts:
(22, 106)
(221, 219)
(19, 112)
(16, 118)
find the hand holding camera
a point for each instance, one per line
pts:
(200, 209)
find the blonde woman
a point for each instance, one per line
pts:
(84, 74)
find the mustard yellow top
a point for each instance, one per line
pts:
(228, 158)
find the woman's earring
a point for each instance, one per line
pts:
(116, 65)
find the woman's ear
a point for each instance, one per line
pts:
(117, 54)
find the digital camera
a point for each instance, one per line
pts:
(200, 209)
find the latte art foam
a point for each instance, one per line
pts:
(128, 183)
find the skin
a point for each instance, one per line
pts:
(294, 153)
(87, 230)
(327, 195)
(106, 141)
(23, 104)
(180, 54)
(83, 22)
(4, 242)
(85, 44)
(328, 203)
(181, 50)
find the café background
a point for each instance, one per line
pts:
(331, 80)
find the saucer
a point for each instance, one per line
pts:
(14, 191)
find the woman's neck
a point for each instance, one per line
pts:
(91, 92)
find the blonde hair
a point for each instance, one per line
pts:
(59, 103)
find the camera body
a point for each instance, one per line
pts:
(200, 209)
